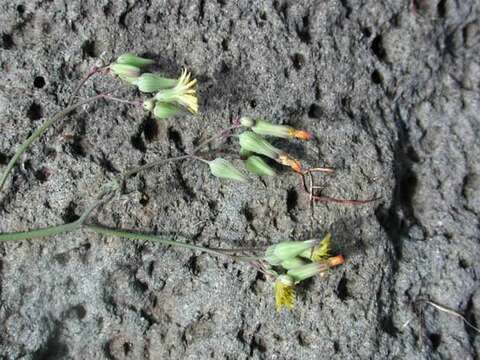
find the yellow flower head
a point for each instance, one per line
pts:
(284, 292)
(320, 252)
(183, 93)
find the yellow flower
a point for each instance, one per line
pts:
(320, 252)
(184, 93)
(284, 292)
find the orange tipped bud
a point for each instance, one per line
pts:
(287, 160)
(335, 261)
(301, 134)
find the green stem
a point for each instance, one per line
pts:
(40, 233)
(162, 239)
(39, 132)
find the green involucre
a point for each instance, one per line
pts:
(257, 144)
(224, 169)
(134, 60)
(150, 83)
(255, 164)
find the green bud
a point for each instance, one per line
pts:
(292, 263)
(262, 127)
(247, 121)
(257, 144)
(165, 110)
(134, 60)
(125, 72)
(149, 104)
(224, 169)
(258, 166)
(277, 253)
(306, 271)
(150, 83)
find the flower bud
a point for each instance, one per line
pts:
(257, 144)
(134, 60)
(224, 169)
(306, 271)
(265, 128)
(247, 121)
(255, 164)
(125, 72)
(292, 263)
(149, 104)
(320, 251)
(150, 83)
(165, 110)
(276, 254)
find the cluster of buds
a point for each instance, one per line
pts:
(171, 95)
(254, 148)
(292, 262)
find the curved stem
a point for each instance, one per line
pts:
(162, 239)
(39, 132)
(135, 170)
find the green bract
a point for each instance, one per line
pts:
(134, 60)
(280, 252)
(150, 83)
(262, 127)
(306, 271)
(165, 110)
(224, 169)
(258, 166)
(126, 72)
(257, 144)
(292, 263)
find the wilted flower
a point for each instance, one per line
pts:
(258, 166)
(150, 83)
(276, 254)
(284, 292)
(249, 141)
(134, 60)
(183, 93)
(224, 169)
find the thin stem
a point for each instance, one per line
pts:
(449, 311)
(94, 70)
(40, 233)
(123, 101)
(193, 155)
(222, 134)
(138, 169)
(39, 132)
(162, 239)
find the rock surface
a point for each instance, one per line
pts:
(389, 88)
